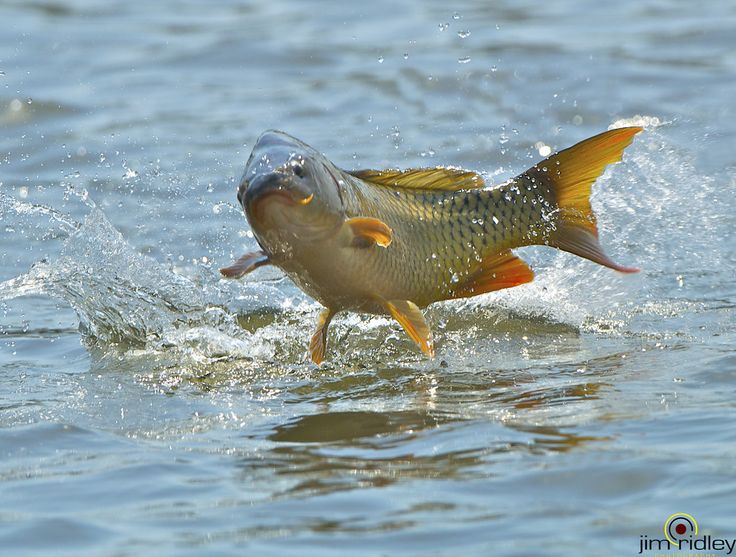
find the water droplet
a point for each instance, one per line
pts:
(130, 173)
(455, 278)
(380, 59)
(102, 157)
(2, 73)
(495, 219)
(406, 55)
(503, 139)
(577, 119)
(16, 105)
(494, 69)
(463, 60)
(543, 149)
(443, 26)
(23, 192)
(395, 137)
(29, 101)
(463, 34)
(456, 16)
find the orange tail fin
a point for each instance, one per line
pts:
(570, 175)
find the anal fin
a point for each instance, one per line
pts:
(410, 317)
(496, 272)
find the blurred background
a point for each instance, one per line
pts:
(148, 407)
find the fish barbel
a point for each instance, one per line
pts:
(394, 241)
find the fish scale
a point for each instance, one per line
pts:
(453, 234)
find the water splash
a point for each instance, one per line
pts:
(128, 300)
(646, 122)
(11, 206)
(642, 221)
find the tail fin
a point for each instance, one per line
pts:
(570, 175)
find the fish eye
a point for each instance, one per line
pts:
(297, 169)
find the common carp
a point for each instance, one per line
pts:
(394, 241)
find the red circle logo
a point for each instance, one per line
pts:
(680, 526)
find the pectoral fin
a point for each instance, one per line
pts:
(246, 264)
(411, 319)
(318, 344)
(368, 231)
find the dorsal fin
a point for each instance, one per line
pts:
(438, 178)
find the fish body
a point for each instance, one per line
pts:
(394, 241)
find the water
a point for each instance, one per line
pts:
(146, 407)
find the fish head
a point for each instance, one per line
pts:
(289, 194)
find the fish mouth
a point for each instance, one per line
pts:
(264, 190)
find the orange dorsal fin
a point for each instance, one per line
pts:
(438, 178)
(502, 270)
(569, 175)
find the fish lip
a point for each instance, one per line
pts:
(272, 186)
(257, 206)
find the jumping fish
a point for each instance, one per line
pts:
(394, 241)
